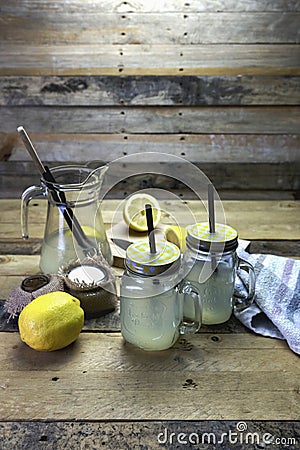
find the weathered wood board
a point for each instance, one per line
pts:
(117, 435)
(158, 60)
(215, 368)
(124, 77)
(150, 90)
(60, 27)
(164, 120)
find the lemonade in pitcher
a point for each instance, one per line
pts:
(74, 226)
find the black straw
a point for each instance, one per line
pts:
(150, 227)
(61, 201)
(211, 219)
(58, 197)
(211, 209)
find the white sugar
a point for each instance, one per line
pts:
(86, 274)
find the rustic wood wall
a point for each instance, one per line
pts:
(215, 82)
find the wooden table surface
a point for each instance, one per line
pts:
(102, 393)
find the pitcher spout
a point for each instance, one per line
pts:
(98, 170)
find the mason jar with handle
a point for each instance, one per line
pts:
(153, 296)
(211, 264)
(74, 225)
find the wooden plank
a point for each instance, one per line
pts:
(144, 434)
(149, 90)
(257, 220)
(16, 265)
(197, 148)
(165, 120)
(102, 363)
(242, 181)
(196, 60)
(16, 246)
(88, 26)
(180, 6)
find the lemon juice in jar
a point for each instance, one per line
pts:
(152, 297)
(210, 263)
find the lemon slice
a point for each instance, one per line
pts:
(134, 211)
(176, 235)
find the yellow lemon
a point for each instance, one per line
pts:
(134, 211)
(51, 321)
(176, 235)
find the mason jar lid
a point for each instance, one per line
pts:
(224, 239)
(141, 261)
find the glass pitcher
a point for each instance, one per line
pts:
(74, 226)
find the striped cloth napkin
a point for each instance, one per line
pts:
(276, 309)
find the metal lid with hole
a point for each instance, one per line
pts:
(141, 261)
(224, 239)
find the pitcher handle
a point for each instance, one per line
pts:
(189, 291)
(29, 194)
(241, 302)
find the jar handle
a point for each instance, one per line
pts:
(240, 301)
(190, 292)
(29, 194)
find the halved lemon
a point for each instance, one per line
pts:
(176, 235)
(134, 212)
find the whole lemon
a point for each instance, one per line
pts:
(51, 321)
